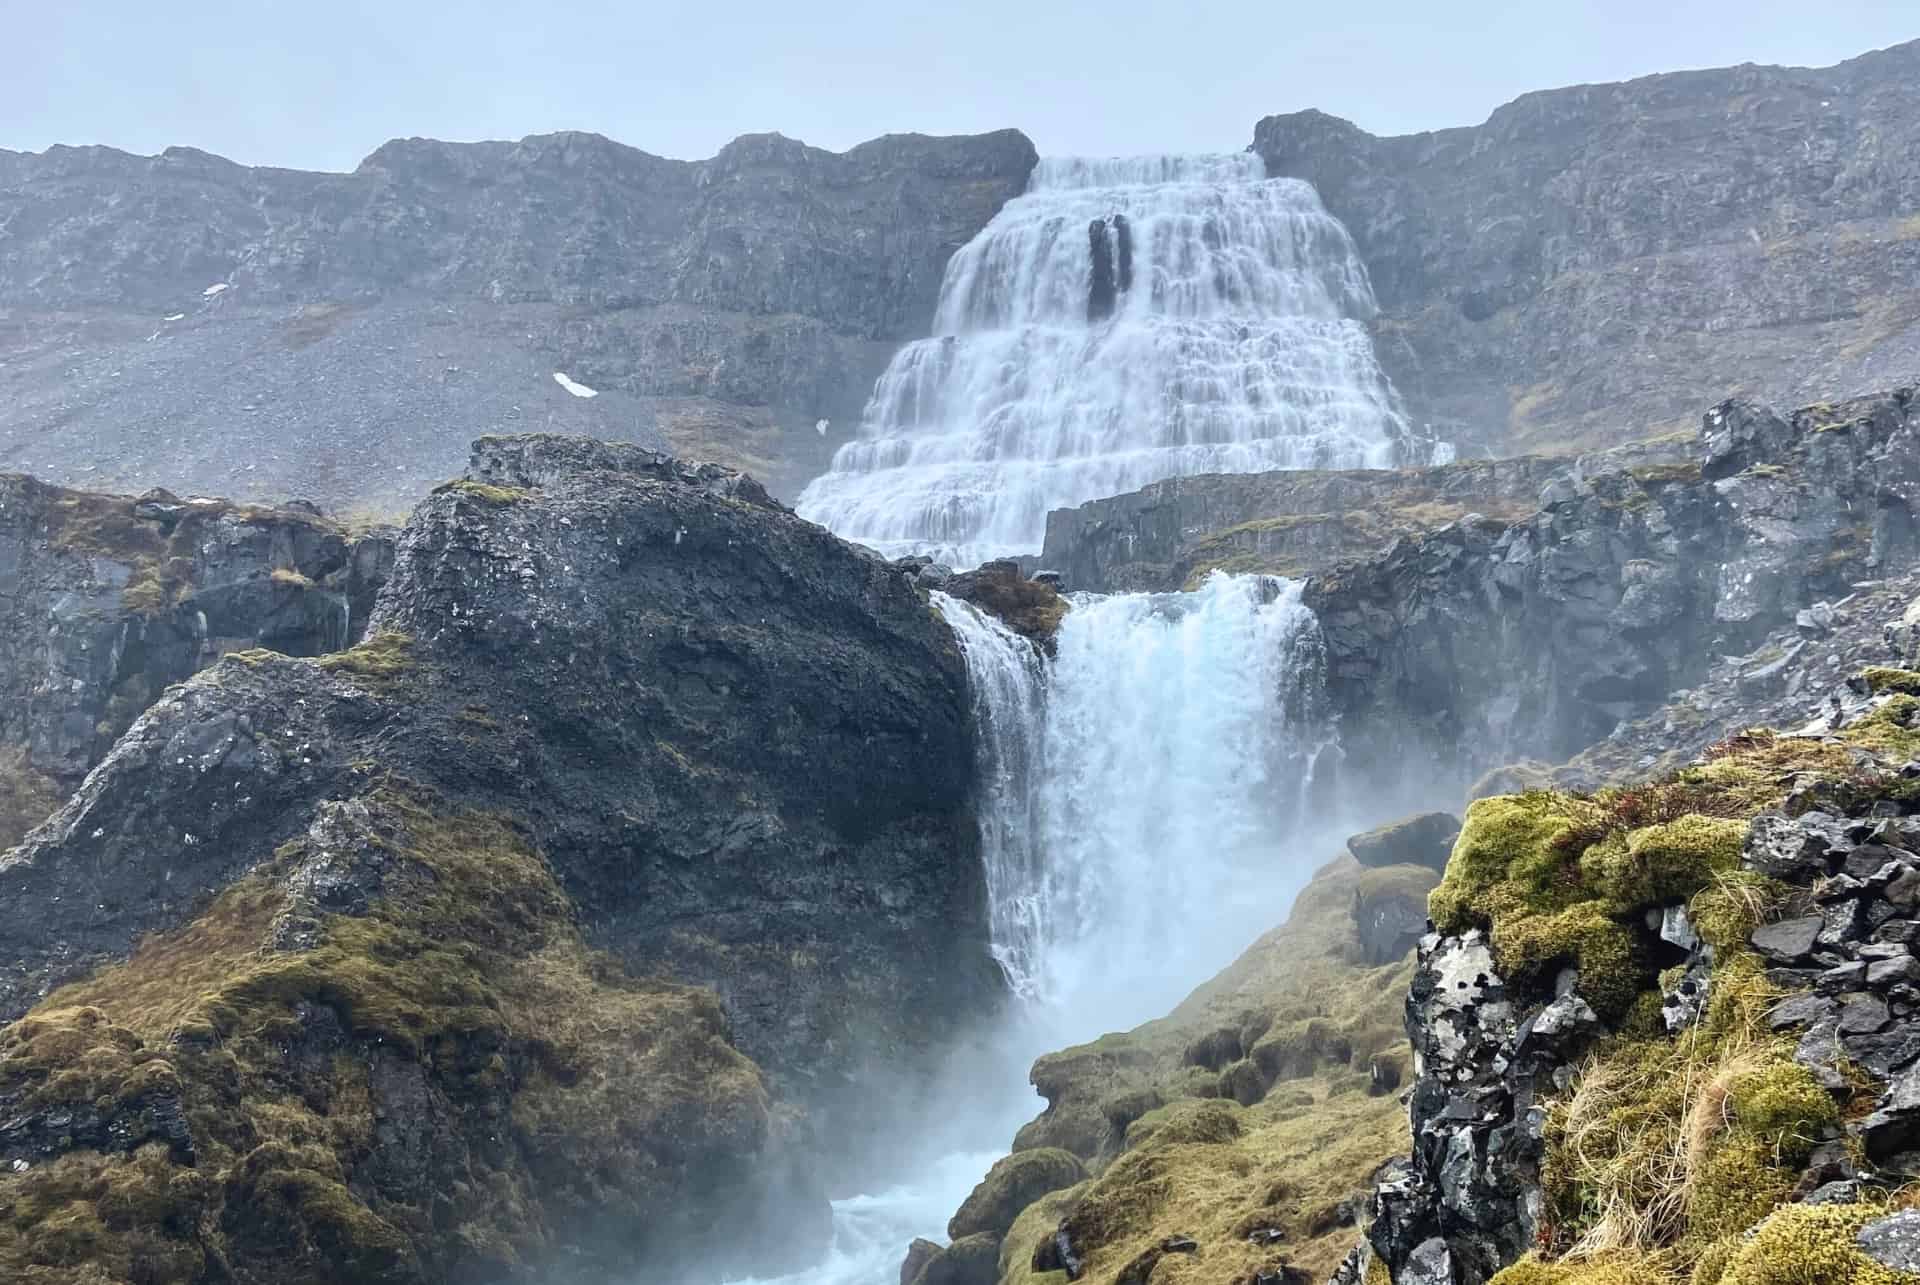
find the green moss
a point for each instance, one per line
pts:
(485, 493)
(1888, 729)
(1012, 1184)
(1884, 678)
(467, 966)
(386, 655)
(1807, 1245)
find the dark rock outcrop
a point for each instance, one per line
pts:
(730, 748)
(1165, 536)
(1423, 840)
(1536, 638)
(1594, 262)
(105, 600)
(1032, 608)
(344, 335)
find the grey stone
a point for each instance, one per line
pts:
(1888, 972)
(1798, 1010)
(1789, 939)
(1893, 1241)
(1844, 1192)
(1676, 928)
(1862, 1015)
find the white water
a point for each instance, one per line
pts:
(1142, 821)
(1239, 347)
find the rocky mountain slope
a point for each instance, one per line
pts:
(571, 916)
(1592, 263)
(1661, 1023)
(179, 320)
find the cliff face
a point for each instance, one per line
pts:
(435, 905)
(1488, 640)
(107, 599)
(1169, 535)
(1593, 262)
(185, 321)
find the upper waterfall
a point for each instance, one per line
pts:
(1125, 320)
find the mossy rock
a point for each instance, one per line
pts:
(1010, 1186)
(969, 1260)
(1296, 1049)
(460, 997)
(1031, 1232)
(1808, 1245)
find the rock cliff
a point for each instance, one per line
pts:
(187, 322)
(1593, 262)
(1487, 641)
(575, 911)
(107, 599)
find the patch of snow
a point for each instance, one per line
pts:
(217, 288)
(820, 427)
(578, 390)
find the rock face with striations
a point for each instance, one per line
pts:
(106, 599)
(1597, 261)
(184, 321)
(1535, 638)
(618, 719)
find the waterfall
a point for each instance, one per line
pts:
(1122, 322)
(1141, 803)
(1144, 810)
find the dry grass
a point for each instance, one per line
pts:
(27, 797)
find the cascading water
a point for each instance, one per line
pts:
(1151, 780)
(1122, 322)
(1143, 818)
(1143, 796)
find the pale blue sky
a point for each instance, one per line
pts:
(319, 85)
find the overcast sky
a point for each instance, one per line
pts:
(321, 84)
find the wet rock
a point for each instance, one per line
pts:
(921, 1252)
(1028, 607)
(1425, 840)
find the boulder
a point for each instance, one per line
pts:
(1031, 608)
(1424, 840)
(921, 1252)
(969, 1260)
(611, 712)
(1009, 1187)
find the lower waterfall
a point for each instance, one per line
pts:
(1144, 816)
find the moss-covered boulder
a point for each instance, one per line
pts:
(1031, 608)
(969, 1260)
(277, 1090)
(1010, 1186)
